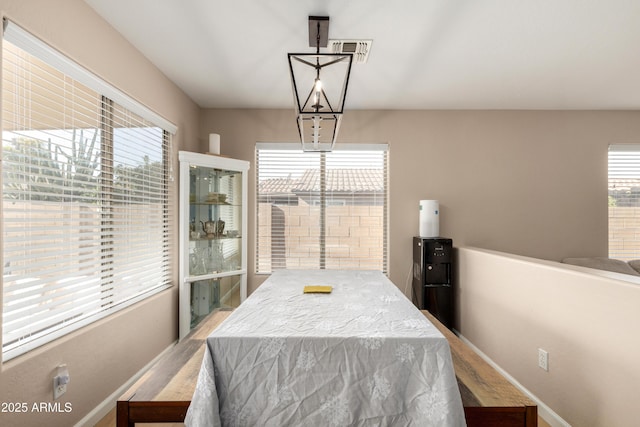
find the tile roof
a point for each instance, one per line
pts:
(623, 184)
(338, 180)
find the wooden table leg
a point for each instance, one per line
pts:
(122, 414)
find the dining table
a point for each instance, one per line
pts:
(326, 348)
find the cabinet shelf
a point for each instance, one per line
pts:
(215, 275)
(205, 238)
(213, 204)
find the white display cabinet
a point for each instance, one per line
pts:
(213, 236)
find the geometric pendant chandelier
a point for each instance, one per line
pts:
(319, 82)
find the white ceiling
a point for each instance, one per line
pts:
(426, 54)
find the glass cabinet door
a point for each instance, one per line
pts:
(215, 211)
(213, 247)
(213, 294)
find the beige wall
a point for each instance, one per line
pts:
(527, 182)
(532, 183)
(510, 306)
(105, 355)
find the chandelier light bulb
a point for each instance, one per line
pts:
(317, 93)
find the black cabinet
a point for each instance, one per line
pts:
(431, 284)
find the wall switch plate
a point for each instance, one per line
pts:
(543, 359)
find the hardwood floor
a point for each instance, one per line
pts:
(542, 423)
(110, 421)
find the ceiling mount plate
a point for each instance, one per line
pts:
(318, 24)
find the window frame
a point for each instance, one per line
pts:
(295, 147)
(623, 178)
(110, 96)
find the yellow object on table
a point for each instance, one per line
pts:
(318, 289)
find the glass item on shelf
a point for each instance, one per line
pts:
(216, 198)
(199, 261)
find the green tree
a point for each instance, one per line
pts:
(34, 169)
(131, 183)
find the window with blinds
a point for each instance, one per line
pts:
(85, 200)
(321, 210)
(624, 201)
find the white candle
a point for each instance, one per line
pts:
(214, 143)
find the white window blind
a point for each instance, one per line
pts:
(85, 200)
(321, 210)
(624, 201)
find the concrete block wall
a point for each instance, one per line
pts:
(354, 236)
(624, 232)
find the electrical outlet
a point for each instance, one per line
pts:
(60, 381)
(58, 388)
(543, 359)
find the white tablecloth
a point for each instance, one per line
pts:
(360, 356)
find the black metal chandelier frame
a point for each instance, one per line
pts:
(317, 108)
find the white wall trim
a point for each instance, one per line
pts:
(295, 146)
(544, 411)
(109, 403)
